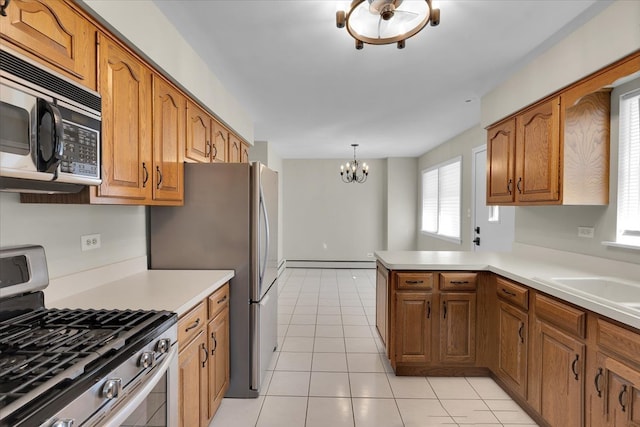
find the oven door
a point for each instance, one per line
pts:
(153, 402)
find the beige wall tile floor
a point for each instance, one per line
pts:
(331, 370)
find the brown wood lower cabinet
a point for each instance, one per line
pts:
(413, 324)
(513, 326)
(382, 294)
(457, 328)
(203, 359)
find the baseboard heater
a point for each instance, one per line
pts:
(303, 263)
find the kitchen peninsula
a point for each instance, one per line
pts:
(560, 332)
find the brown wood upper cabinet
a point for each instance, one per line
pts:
(207, 139)
(557, 150)
(235, 149)
(169, 107)
(244, 154)
(125, 86)
(55, 34)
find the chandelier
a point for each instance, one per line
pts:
(350, 172)
(386, 21)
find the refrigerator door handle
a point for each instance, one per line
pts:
(266, 227)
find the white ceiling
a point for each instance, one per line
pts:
(311, 93)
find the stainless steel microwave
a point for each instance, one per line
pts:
(49, 129)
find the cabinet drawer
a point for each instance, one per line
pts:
(515, 294)
(561, 315)
(618, 340)
(218, 300)
(458, 281)
(415, 281)
(191, 323)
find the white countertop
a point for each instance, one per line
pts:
(540, 269)
(172, 290)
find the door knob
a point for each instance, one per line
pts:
(476, 241)
(477, 230)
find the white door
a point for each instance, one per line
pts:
(493, 226)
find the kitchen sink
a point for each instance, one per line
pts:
(621, 292)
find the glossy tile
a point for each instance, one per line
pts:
(329, 362)
(410, 387)
(293, 362)
(376, 413)
(469, 411)
(330, 384)
(423, 412)
(280, 411)
(329, 345)
(369, 385)
(333, 412)
(329, 331)
(298, 344)
(301, 331)
(361, 345)
(363, 362)
(452, 388)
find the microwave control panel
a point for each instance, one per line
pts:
(81, 150)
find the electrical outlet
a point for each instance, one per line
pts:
(370, 254)
(587, 232)
(90, 241)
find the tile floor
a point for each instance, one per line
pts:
(331, 370)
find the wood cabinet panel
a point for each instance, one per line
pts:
(563, 316)
(512, 347)
(191, 323)
(54, 34)
(199, 131)
(618, 340)
(413, 281)
(220, 143)
(457, 328)
(538, 153)
(218, 333)
(125, 86)
(169, 114)
(244, 154)
(413, 327)
(512, 292)
(235, 149)
(192, 388)
(382, 302)
(458, 281)
(501, 155)
(218, 300)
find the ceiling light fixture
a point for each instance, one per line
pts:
(386, 21)
(350, 173)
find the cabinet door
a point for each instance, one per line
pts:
(198, 144)
(235, 149)
(457, 328)
(169, 110)
(54, 34)
(382, 307)
(538, 153)
(559, 374)
(619, 387)
(501, 157)
(413, 327)
(126, 119)
(244, 155)
(218, 335)
(220, 143)
(512, 347)
(192, 366)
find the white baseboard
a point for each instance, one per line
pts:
(329, 264)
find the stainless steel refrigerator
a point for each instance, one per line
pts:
(229, 221)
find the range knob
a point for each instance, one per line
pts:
(147, 359)
(112, 388)
(163, 345)
(66, 422)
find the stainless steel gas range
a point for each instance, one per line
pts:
(69, 368)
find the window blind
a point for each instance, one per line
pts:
(430, 201)
(441, 191)
(629, 167)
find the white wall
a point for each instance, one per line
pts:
(58, 229)
(146, 27)
(461, 145)
(328, 220)
(609, 36)
(402, 204)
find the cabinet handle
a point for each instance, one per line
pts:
(215, 151)
(518, 185)
(459, 282)
(220, 301)
(206, 355)
(444, 307)
(207, 148)
(511, 294)
(574, 366)
(146, 174)
(623, 392)
(4, 5)
(193, 325)
(215, 343)
(428, 309)
(520, 332)
(509, 185)
(413, 282)
(597, 382)
(159, 177)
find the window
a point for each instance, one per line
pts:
(441, 200)
(628, 228)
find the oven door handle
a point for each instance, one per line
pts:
(131, 403)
